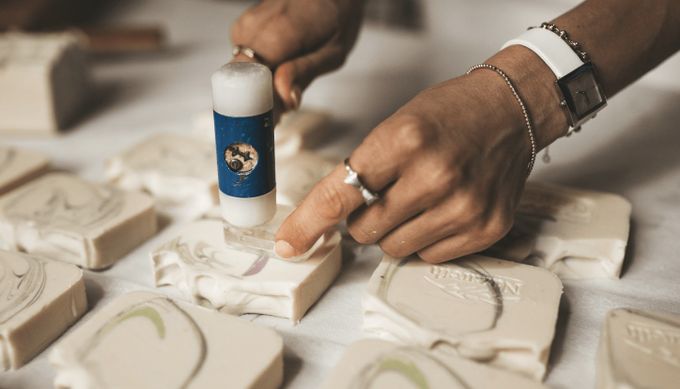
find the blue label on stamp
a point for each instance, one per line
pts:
(245, 154)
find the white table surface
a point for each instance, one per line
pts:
(633, 148)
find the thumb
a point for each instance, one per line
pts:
(291, 78)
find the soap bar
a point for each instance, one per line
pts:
(146, 340)
(178, 170)
(296, 131)
(200, 265)
(44, 82)
(296, 176)
(639, 350)
(576, 233)
(39, 300)
(481, 308)
(378, 364)
(18, 166)
(63, 217)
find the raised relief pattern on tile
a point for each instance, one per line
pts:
(475, 285)
(660, 343)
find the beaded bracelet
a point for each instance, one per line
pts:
(527, 120)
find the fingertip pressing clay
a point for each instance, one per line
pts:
(18, 166)
(476, 307)
(63, 217)
(177, 170)
(639, 350)
(39, 300)
(198, 262)
(146, 340)
(574, 233)
(377, 364)
(44, 82)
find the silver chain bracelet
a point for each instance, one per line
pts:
(565, 37)
(527, 120)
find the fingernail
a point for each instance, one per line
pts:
(283, 249)
(295, 95)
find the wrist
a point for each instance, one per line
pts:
(535, 83)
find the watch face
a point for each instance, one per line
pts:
(582, 92)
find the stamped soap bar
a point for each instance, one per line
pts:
(39, 300)
(198, 262)
(377, 364)
(574, 233)
(63, 217)
(177, 170)
(639, 350)
(475, 307)
(146, 340)
(18, 166)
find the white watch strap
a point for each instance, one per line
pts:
(555, 52)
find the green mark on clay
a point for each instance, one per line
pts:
(406, 369)
(146, 312)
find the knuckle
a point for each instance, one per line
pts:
(430, 257)
(441, 179)
(248, 19)
(236, 32)
(395, 250)
(466, 210)
(331, 205)
(410, 134)
(495, 229)
(272, 39)
(336, 59)
(474, 205)
(362, 234)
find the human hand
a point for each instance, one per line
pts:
(450, 166)
(299, 40)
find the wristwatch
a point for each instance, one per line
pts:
(582, 96)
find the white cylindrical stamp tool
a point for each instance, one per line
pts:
(244, 136)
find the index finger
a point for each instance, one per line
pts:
(332, 200)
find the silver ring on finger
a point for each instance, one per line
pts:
(353, 179)
(247, 51)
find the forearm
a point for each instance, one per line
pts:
(624, 39)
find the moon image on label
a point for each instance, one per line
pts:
(241, 158)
